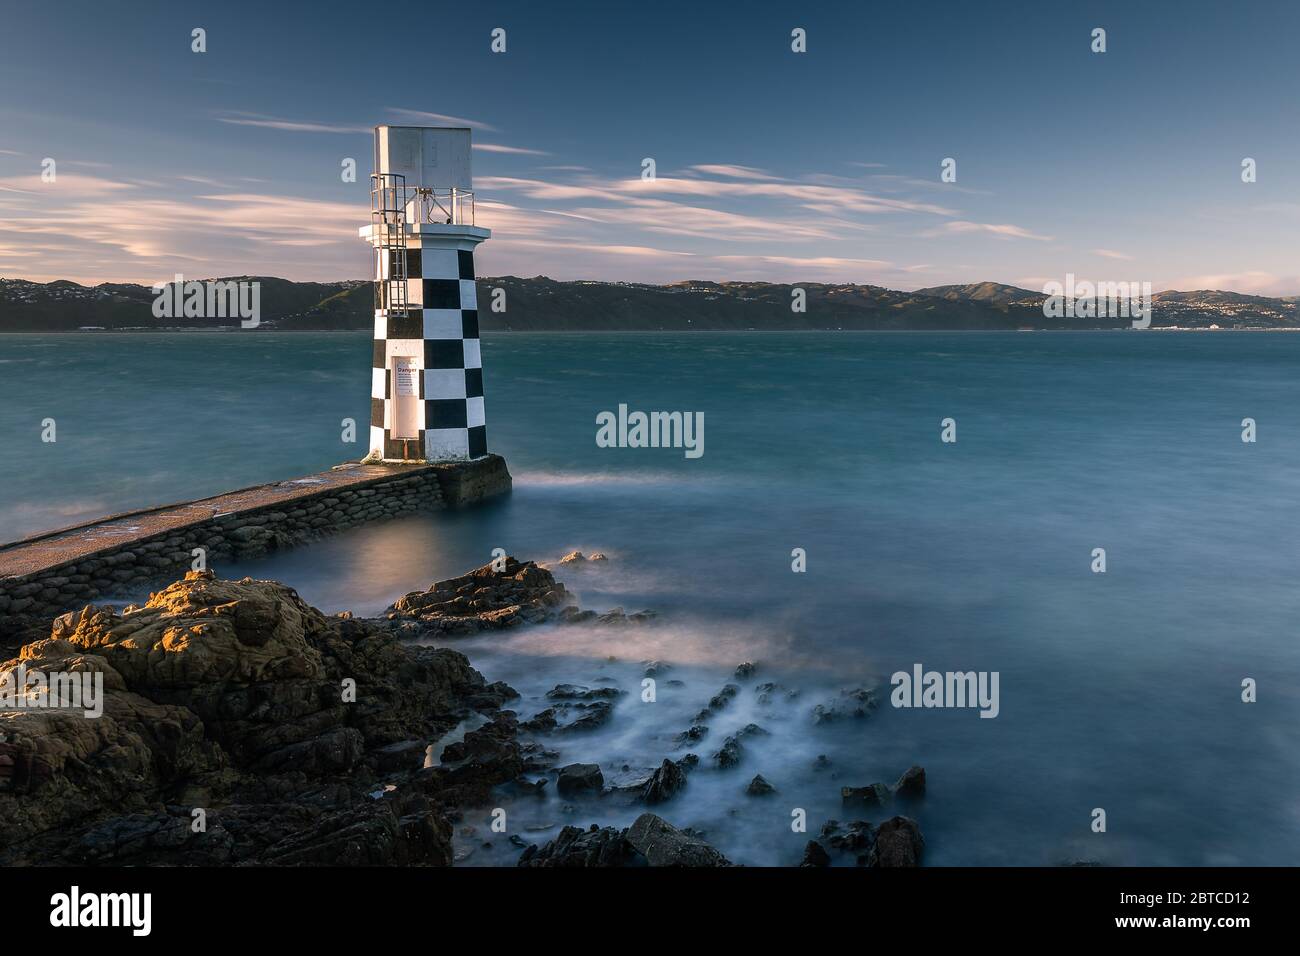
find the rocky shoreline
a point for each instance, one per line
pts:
(241, 726)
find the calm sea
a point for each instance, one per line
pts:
(1119, 691)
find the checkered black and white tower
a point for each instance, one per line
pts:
(426, 399)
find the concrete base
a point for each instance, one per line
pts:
(57, 571)
(466, 483)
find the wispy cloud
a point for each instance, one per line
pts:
(893, 181)
(735, 172)
(128, 232)
(702, 222)
(201, 180)
(714, 220)
(512, 150)
(422, 118)
(811, 262)
(1004, 230)
(641, 252)
(409, 116)
(717, 220)
(1110, 254)
(847, 198)
(292, 126)
(64, 186)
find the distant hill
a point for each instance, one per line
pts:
(66, 306)
(542, 304)
(995, 293)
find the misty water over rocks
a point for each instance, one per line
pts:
(1118, 690)
(804, 738)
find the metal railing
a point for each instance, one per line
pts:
(450, 207)
(395, 205)
(392, 200)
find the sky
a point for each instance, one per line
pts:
(820, 166)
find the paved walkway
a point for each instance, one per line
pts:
(52, 548)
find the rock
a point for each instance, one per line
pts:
(617, 616)
(540, 722)
(533, 787)
(723, 697)
(662, 844)
(359, 836)
(470, 768)
(911, 785)
(898, 843)
(752, 730)
(690, 736)
(758, 787)
(590, 716)
(629, 779)
(746, 670)
(729, 755)
(492, 696)
(594, 847)
(665, 783)
(855, 703)
(577, 557)
(485, 599)
(655, 668)
(579, 692)
(538, 758)
(814, 854)
(822, 762)
(577, 777)
(227, 695)
(588, 707)
(857, 838)
(405, 754)
(864, 798)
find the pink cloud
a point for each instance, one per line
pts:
(1001, 230)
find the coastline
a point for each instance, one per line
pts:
(394, 773)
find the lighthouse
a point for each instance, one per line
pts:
(426, 397)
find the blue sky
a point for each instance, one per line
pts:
(821, 166)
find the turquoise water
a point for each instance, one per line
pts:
(1118, 690)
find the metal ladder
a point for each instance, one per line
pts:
(388, 233)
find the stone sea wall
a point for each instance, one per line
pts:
(73, 568)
